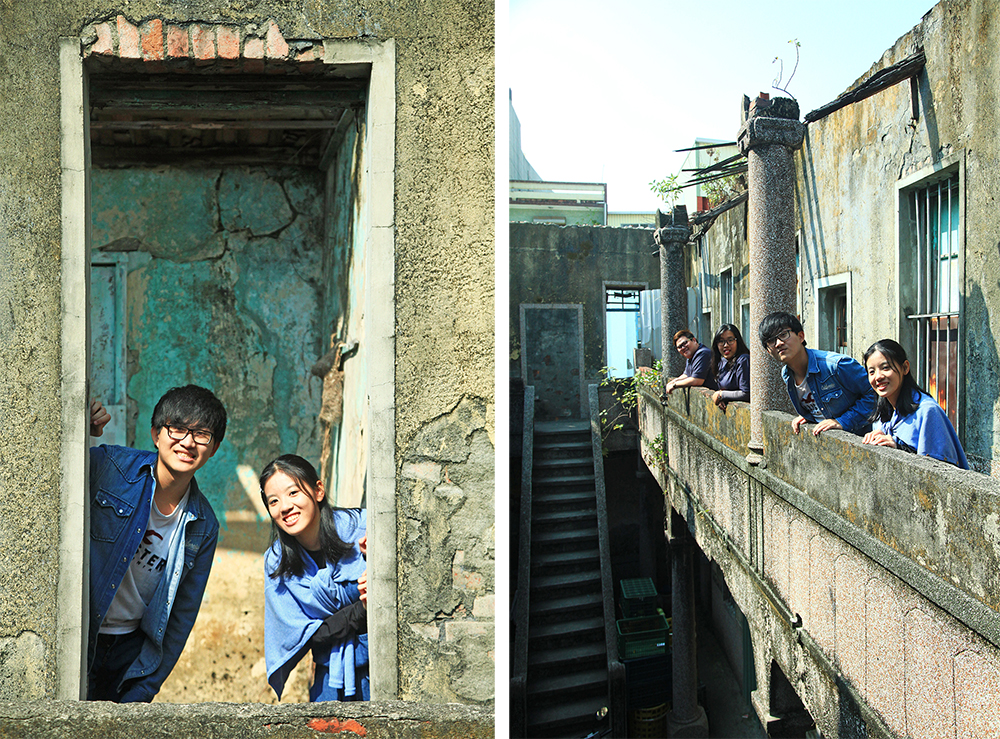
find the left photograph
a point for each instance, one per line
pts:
(248, 286)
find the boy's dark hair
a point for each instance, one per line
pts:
(330, 543)
(905, 404)
(774, 323)
(191, 405)
(682, 332)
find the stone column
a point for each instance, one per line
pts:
(768, 138)
(687, 719)
(672, 234)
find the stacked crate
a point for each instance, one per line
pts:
(644, 648)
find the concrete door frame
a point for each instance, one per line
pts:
(379, 168)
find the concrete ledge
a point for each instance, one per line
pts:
(382, 720)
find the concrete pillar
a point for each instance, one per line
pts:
(768, 138)
(672, 234)
(687, 719)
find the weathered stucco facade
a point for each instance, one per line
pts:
(410, 223)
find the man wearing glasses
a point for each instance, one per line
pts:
(152, 542)
(698, 365)
(828, 389)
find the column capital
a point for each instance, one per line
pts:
(672, 236)
(765, 131)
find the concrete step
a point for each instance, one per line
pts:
(571, 719)
(553, 501)
(563, 483)
(584, 536)
(562, 466)
(566, 631)
(547, 449)
(562, 520)
(557, 585)
(576, 683)
(543, 608)
(562, 659)
(557, 562)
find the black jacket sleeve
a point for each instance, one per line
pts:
(348, 621)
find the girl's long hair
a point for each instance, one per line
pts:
(741, 347)
(896, 355)
(330, 543)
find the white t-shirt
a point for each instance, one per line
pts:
(806, 398)
(145, 571)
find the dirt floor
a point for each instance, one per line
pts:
(224, 656)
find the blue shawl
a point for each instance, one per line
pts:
(294, 608)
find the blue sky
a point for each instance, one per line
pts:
(605, 91)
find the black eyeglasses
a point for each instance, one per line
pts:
(179, 433)
(782, 337)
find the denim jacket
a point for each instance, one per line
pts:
(121, 492)
(840, 387)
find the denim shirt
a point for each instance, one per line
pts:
(121, 492)
(840, 388)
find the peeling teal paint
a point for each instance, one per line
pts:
(209, 302)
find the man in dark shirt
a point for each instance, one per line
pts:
(698, 368)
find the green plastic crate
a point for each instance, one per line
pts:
(638, 597)
(642, 637)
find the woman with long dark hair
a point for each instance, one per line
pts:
(905, 417)
(315, 592)
(730, 366)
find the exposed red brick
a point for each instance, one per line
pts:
(335, 726)
(228, 41)
(152, 39)
(312, 54)
(277, 47)
(128, 39)
(104, 44)
(203, 42)
(253, 48)
(177, 42)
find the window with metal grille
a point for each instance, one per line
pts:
(726, 296)
(622, 328)
(935, 209)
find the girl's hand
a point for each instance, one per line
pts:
(878, 438)
(363, 545)
(717, 399)
(363, 588)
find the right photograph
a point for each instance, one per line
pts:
(754, 350)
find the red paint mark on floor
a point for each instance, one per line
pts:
(335, 726)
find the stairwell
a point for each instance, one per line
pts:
(567, 677)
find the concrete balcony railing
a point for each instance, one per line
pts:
(882, 568)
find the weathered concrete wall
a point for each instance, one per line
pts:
(847, 197)
(724, 241)
(384, 720)
(442, 416)
(556, 264)
(877, 605)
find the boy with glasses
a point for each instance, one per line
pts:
(152, 542)
(698, 364)
(828, 389)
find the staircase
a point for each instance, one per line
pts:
(567, 678)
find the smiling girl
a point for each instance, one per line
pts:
(910, 418)
(730, 366)
(315, 591)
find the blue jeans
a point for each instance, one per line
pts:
(115, 654)
(319, 691)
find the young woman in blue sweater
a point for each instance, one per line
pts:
(906, 417)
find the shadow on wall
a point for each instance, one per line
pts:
(982, 366)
